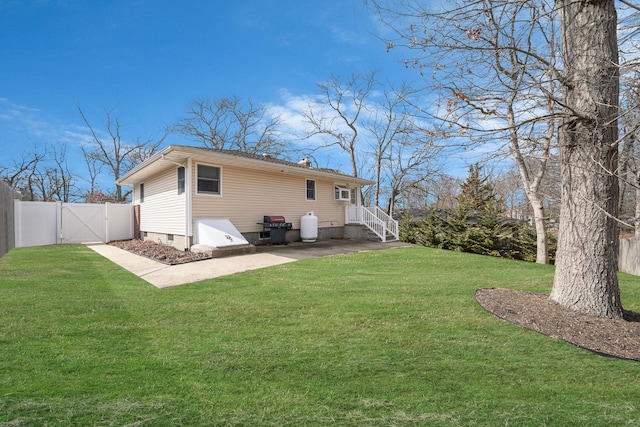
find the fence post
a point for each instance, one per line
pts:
(59, 229)
(7, 217)
(106, 222)
(17, 216)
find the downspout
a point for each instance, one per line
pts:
(187, 191)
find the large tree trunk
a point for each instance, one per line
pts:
(586, 263)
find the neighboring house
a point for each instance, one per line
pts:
(185, 195)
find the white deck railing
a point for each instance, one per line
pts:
(375, 219)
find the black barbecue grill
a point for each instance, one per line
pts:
(277, 227)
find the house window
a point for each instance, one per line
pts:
(265, 235)
(208, 179)
(141, 193)
(311, 189)
(342, 193)
(181, 180)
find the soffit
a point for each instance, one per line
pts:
(173, 156)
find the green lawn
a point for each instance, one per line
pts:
(384, 338)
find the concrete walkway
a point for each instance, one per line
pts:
(164, 276)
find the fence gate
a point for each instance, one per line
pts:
(48, 223)
(83, 223)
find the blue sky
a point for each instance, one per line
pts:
(147, 60)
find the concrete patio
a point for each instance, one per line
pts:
(164, 276)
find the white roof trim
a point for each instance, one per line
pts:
(178, 154)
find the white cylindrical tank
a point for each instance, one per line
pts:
(309, 227)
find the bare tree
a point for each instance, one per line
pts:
(444, 192)
(386, 126)
(508, 188)
(340, 125)
(412, 162)
(629, 158)
(56, 181)
(43, 174)
(94, 169)
(19, 174)
(494, 71)
(403, 151)
(233, 124)
(114, 152)
(585, 278)
(586, 266)
(372, 124)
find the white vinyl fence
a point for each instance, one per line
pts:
(50, 223)
(629, 259)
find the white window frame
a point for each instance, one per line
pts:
(315, 190)
(208, 193)
(181, 188)
(342, 194)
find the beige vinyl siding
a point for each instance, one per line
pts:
(163, 210)
(247, 195)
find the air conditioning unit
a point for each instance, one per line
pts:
(342, 193)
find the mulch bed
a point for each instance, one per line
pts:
(160, 252)
(615, 338)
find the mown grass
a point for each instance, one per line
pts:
(390, 337)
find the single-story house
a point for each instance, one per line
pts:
(187, 195)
